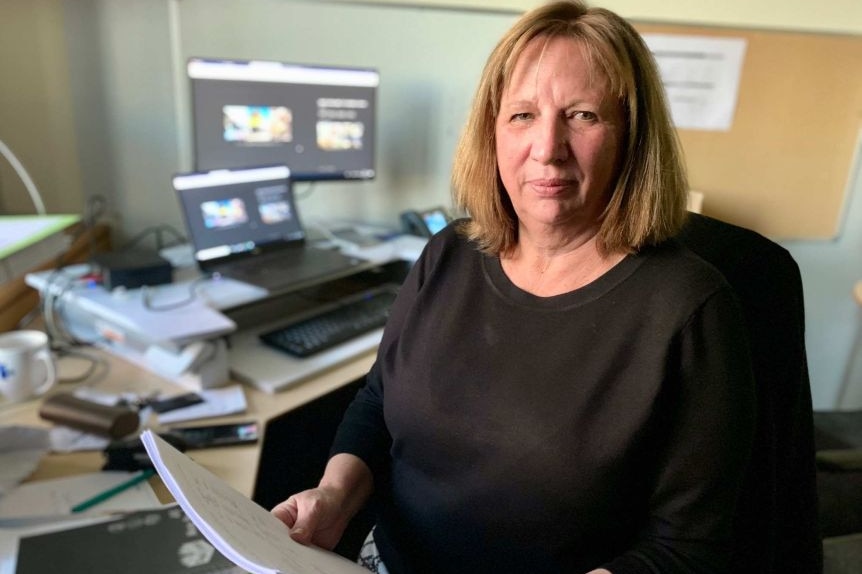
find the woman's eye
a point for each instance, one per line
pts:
(584, 116)
(521, 116)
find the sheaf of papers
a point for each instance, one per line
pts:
(217, 402)
(44, 506)
(245, 533)
(57, 496)
(406, 247)
(17, 231)
(21, 448)
(701, 78)
(67, 439)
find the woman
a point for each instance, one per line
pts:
(561, 387)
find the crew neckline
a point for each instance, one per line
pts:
(496, 276)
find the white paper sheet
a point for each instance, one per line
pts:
(247, 534)
(19, 231)
(701, 78)
(58, 496)
(21, 449)
(67, 439)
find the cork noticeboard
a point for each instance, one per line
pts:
(784, 166)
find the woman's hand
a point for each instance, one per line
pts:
(314, 516)
(319, 515)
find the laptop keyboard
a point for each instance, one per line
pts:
(330, 327)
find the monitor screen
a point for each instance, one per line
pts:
(317, 120)
(230, 212)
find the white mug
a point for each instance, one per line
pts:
(26, 365)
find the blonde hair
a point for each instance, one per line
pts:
(647, 203)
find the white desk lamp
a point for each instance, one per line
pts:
(25, 177)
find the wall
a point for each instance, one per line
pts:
(129, 109)
(36, 121)
(121, 56)
(833, 320)
(426, 83)
(830, 16)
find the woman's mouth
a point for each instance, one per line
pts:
(551, 186)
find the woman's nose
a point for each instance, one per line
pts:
(549, 142)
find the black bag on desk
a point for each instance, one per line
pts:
(161, 541)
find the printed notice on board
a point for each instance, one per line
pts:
(701, 78)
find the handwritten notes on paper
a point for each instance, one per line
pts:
(242, 531)
(56, 496)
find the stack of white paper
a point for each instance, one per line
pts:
(246, 534)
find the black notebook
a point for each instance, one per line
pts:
(154, 541)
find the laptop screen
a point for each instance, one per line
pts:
(237, 213)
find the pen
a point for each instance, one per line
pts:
(103, 496)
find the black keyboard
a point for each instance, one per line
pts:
(333, 326)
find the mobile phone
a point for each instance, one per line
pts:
(218, 435)
(177, 402)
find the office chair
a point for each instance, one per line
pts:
(838, 440)
(777, 521)
(294, 453)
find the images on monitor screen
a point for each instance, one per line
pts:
(317, 120)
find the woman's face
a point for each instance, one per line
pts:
(558, 138)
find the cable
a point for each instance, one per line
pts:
(325, 231)
(309, 189)
(52, 307)
(63, 342)
(52, 296)
(51, 304)
(93, 364)
(148, 302)
(94, 209)
(157, 230)
(25, 177)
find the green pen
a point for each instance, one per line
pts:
(103, 496)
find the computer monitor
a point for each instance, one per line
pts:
(317, 120)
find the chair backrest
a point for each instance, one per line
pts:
(777, 527)
(294, 453)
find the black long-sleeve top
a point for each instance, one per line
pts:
(609, 426)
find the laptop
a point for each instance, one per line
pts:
(243, 224)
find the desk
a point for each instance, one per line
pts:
(237, 465)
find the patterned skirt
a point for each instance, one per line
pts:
(369, 557)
